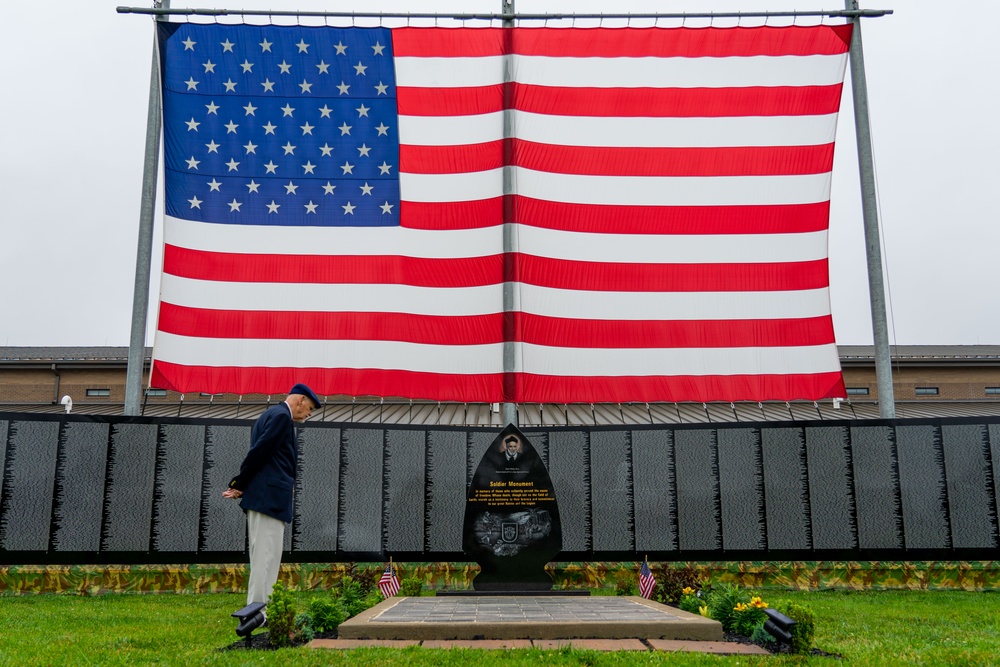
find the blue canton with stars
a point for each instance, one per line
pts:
(280, 125)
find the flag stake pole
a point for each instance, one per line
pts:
(509, 410)
(869, 208)
(144, 249)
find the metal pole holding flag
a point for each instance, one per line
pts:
(144, 250)
(509, 411)
(869, 207)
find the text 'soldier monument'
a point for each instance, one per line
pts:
(512, 526)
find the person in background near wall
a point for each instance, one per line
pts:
(264, 486)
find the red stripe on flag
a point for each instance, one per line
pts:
(561, 332)
(707, 388)
(450, 159)
(598, 161)
(341, 269)
(451, 215)
(469, 101)
(325, 382)
(308, 325)
(645, 277)
(736, 161)
(447, 42)
(622, 102)
(678, 102)
(624, 42)
(596, 218)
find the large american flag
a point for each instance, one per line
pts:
(337, 200)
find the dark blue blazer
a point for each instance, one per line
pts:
(267, 475)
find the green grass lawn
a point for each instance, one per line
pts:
(871, 628)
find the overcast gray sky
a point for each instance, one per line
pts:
(75, 82)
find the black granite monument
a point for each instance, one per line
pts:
(511, 526)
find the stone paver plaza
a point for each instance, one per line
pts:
(511, 609)
(526, 617)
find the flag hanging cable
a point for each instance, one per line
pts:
(518, 16)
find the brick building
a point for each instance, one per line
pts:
(929, 380)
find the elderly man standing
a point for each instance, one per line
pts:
(264, 486)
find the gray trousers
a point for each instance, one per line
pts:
(266, 536)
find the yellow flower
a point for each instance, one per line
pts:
(757, 602)
(703, 610)
(740, 607)
(687, 590)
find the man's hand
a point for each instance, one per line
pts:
(232, 493)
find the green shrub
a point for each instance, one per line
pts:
(804, 630)
(370, 600)
(762, 637)
(747, 617)
(304, 627)
(327, 613)
(411, 587)
(367, 578)
(690, 600)
(722, 601)
(626, 583)
(671, 582)
(351, 596)
(280, 616)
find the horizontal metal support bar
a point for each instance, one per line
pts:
(838, 13)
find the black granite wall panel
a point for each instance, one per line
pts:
(923, 487)
(478, 443)
(968, 470)
(876, 487)
(79, 490)
(569, 468)
(786, 488)
(655, 490)
(611, 491)
(994, 435)
(698, 511)
(831, 495)
(317, 490)
(180, 457)
(29, 476)
(741, 484)
(128, 503)
(405, 487)
(540, 441)
(361, 490)
(223, 524)
(779, 488)
(447, 452)
(3, 455)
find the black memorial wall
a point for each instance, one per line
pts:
(79, 489)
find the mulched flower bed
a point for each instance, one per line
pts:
(261, 641)
(778, 649)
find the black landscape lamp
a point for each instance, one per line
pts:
(778, 625)
(251, 617)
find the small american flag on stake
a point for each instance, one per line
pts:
(647, 582)
(388, 584)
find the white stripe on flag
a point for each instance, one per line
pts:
(644, 362)
(616, 132)
(359, 354)
(610, 306)
(624, 72)
(375, 241)
(332, 298)
(671, 248)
